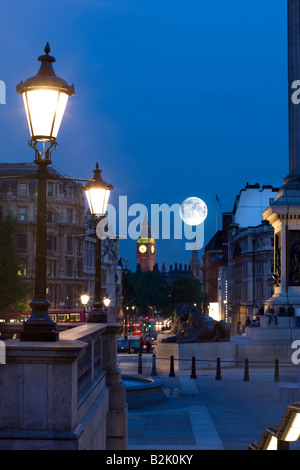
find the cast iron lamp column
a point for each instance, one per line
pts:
(45, 98)
(97, 192)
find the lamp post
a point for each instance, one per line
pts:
(84, 300)
(106, 302)
(45, 98)
(97, 193)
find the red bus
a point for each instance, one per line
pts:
(58, 317)
(136, 328)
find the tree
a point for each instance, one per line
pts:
(145, 290)
(186, 289)
(12, 290)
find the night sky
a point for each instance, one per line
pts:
(173, 98)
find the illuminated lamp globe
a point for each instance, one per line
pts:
(106, 301)
(84, 299)
(97, 194)
(45, 99)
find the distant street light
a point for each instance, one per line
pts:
(45, 98)
(97, 193)
(84, 300)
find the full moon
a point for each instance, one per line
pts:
(193, 211)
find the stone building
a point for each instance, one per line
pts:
(238, 262)
(70, 253)
(250, 269)
(215, 257)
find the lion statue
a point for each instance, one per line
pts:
(191, 326)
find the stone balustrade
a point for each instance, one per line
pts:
(64, 395)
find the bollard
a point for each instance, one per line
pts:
(218, 374)
(140, 366)
(153, 372)
(172, 373)
(193, 372)
(276, 374)
(129, 347)
(246, 373)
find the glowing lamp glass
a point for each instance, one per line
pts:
(106, 301)
(97, 199)
(84, 299)
(44, 110)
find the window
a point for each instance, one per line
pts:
(22, 270)
(51, 218)
(22, 242)
(69, 216)
(22, 189)
(50, 243)
(22, 214)
(79, 268)
(50, 188)
(69, 268)
(51, 268)
(69, 296)
(69, 244)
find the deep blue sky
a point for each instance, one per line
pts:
(173, 98)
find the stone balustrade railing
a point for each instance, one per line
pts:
(64, 395)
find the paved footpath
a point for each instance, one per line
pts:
(209, 414)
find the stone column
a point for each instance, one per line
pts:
(284, 213)
(294, 85)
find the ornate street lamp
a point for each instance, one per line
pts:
(45, 98)
(97, 193)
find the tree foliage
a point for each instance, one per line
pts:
(148, 290)
(12, 290)
(186, 289)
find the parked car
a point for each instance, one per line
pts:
(123, 345)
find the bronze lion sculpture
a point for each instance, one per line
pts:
(191, 326)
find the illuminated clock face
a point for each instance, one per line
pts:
(142, 249)
(152, 249)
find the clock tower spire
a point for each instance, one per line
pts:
(145, 248)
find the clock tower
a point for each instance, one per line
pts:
(145, 251)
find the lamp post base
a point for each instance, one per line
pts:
(39, 327)
(97, 315)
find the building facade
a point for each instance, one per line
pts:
(250, 270)
(238, 263)
(70, 253)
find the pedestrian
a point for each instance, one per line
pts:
(141, 344)
(291, 310)
(297, 317)
(282, 312)
(271, 314)
(261, 310)
(148, 344)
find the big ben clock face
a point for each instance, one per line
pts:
(152, 249)
(142, 249)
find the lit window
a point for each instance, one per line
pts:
(22, 214)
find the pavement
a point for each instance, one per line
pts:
(203, 413)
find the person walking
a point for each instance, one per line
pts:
(297, 317)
